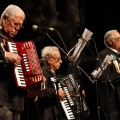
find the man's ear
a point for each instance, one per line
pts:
(4, 18)
(110, 41)
(48, 59)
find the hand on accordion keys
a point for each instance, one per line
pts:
(61, 94)
(14, 58)
(72, 94)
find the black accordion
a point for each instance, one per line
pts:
(73, 105)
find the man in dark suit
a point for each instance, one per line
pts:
(109, 81)
(48, 104)
(11, 98)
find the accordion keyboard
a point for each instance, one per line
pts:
(18, 69)
(72, 105)
(67, 103)
(29, 72)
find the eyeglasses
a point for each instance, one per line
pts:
(57, 59)
(15, 23)
(116, 38)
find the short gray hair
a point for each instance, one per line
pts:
(48, 51)
(109, 35)
(11, 11)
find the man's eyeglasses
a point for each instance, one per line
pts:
(15, 23)
(116, 38)
(57, 59)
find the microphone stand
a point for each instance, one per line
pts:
(61, 40)
(92, 81)
(80, 90)
(80, 116)
(98, 106)
(107, 80)
(55, 43)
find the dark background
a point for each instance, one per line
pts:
(69, 18)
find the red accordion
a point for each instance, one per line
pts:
(29, 72)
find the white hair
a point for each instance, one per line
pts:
(11, 11)
(109, 35)
(48, 51)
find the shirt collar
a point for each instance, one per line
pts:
(114, 50)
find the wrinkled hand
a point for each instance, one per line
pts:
(61, 94)
(14, 58)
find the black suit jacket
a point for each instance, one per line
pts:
(109, 97)
(10, 96)
(48, 104)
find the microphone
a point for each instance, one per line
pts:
(35, 27)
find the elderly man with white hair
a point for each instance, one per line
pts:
(11, 97)
(109, 82)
